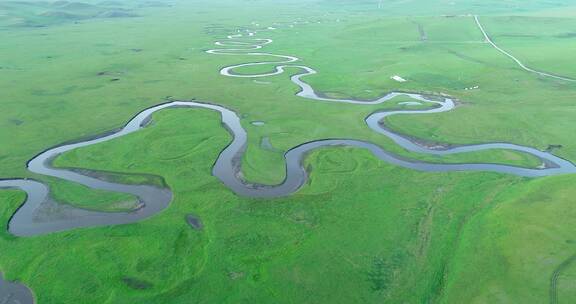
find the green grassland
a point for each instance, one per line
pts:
(258, 250)
(361, 230)
(524, 36)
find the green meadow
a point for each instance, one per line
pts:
(361, 230)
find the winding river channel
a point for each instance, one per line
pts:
(41, 215)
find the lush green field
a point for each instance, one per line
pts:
(361, 230)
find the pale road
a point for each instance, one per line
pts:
(522, 65)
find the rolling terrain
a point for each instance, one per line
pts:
(359, 230)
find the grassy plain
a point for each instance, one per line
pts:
(361, 231)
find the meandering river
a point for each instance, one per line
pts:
(40, 214)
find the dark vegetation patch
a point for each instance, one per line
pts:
(109, 73)
(194, 222)
(567, 35)
(467, 57)
(137, 284)
(16, 121)
(382, 272)
(551, 148)
(247, 240)
(123, 178)
(54, 92)
(421, 31)
(519, 36)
